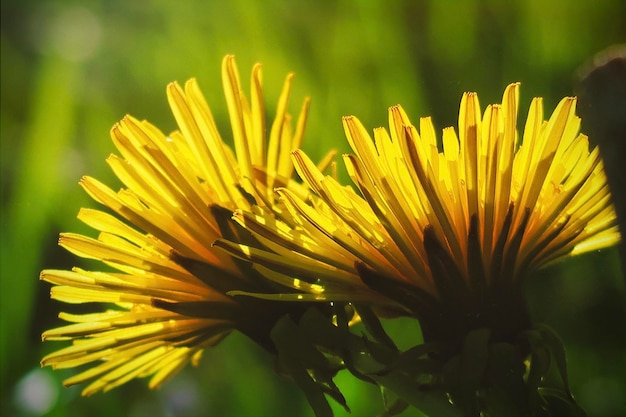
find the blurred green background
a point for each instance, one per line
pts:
(71, 69)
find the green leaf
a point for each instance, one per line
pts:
(464, 373)
(538, 368)
(474, 357)
(342, 311)
(393, 404)
(373, 326)
(505, 393)
(560, 403)
(293, 354)
(557, 349)
(431, 402)
(417, 368)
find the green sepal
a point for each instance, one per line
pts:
(295, 358)
(560, 403)
(538, 368)
(475, 356)
(431, 402)
(557, 349)
(354, 350)
(373, 326)
(212, 276)
(201, 309)
(415, 361)
(343, 313)
(465, 374)
(505, 392)
(393, 404)
(546, 347)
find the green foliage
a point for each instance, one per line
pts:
(299, 353)
(546, 348)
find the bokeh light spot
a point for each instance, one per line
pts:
(36, 393)
(73, 33)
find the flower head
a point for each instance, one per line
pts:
(447, 230)
(165, 283)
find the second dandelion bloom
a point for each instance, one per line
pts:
(446, 230)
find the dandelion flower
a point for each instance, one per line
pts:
(165, 284)
(448, 230)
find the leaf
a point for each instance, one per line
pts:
(393, 404)
(560, 403)
(292, 357)
(355, 351)
(538, 368)
(373, 326)
(341, 311)
(474, 357)
(506, 392)
(415, 361)
(464, 374)
(431, 403)
(557, 349)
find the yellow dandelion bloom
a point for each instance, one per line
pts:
(165, 283)
(449, 229)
